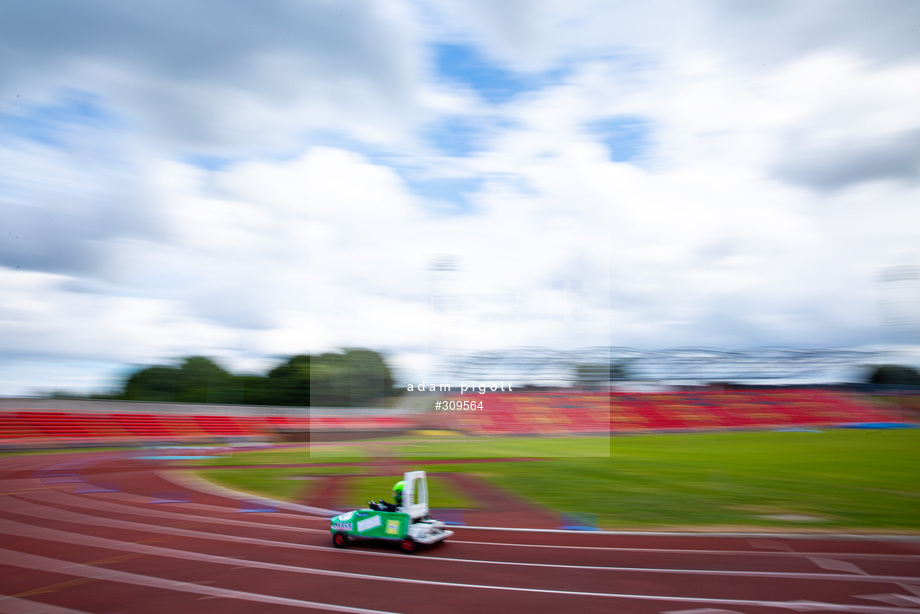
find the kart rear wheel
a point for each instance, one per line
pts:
(407, 545)
(339, 540)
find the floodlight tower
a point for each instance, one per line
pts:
(899, 310)
(899, 304)
(441, 305)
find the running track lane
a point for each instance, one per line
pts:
(81, 533)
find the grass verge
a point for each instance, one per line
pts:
(284, 483)
(835, 480)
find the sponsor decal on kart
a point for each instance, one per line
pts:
(342, 522)
(392, 527)
(369, 523)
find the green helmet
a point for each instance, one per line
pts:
(398, 487)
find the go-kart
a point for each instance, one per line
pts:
(409, 524)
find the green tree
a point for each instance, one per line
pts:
(289, 383)
(255, 389)
(352, 378)
(197, 380)
(157, 383)
(204, 381)
(894, 375)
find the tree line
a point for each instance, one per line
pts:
(350, 378)
(354, 377)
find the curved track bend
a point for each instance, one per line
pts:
(106, 533)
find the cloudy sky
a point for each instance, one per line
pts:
(251, 180)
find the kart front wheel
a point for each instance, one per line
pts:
(407, 545)
(339, 540)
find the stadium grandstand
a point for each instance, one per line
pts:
(590, 413)
(677, 366)
(59, 422)
(593, 391)
(624, 390)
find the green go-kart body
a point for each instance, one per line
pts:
(372, 523)
(410, 524)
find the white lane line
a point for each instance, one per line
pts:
(134, 547)
(16, 605)
(41, 563)
(93, 504)
(193, 481)
(46, 564)
(834, 565)
(707, 535)
(124, 497)
(105, 506)
(769, 544)
(82, 519)
(848, 555)
(140, 499)
(140, 510)
(49, 513)
(232, 501)
(196, 482)
(893, 599)
(89, 503)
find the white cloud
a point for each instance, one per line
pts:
(741, 221)
(226, 78)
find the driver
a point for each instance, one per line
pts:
(397, 496)
(398, 492)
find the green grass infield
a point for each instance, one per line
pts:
(836, 480)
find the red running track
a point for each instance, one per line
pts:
(107, 533)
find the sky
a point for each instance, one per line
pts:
(254, 180)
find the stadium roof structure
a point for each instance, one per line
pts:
(552, 367)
